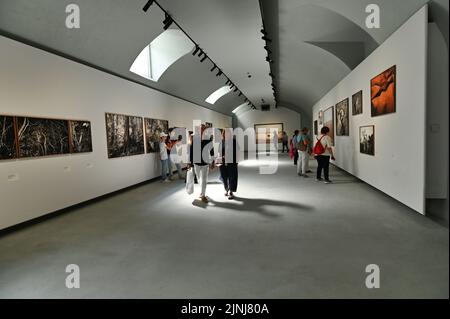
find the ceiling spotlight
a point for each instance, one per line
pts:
(219, 73)
(240, 93)
(235, 89)
(228, 82)
(196, 50)
(147, 5)
(267, 49)
(268, 59)
(271, 74)
(213, 68)
(167, 22)
(263, 31)
(204, 58)
(266, 39)
(201, 52)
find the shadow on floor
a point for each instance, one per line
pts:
(254, 205)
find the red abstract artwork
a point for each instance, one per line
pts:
(382, 92)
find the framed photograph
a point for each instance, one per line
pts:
(125, 135)
(357, 103)
(342, 119)
(42, 137)
(316, 128)
(265, 133)
(154, 127)
(328, 121)
(80, 136)
(383, 92)
(320, 116)
(367, 140)
(8, 145)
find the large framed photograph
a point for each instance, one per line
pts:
(125, 135)
(383, 92)
(342, 119)
(42, 137)
(268, 133)
(367, 140)
(154, 127)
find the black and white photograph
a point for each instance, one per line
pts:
(367, 140)
(342, 118)
(42, 137)
(125, 135)
(8, 148)
(81, 136)
(153, 129)
(357, 103)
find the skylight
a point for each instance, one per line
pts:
(161, 53)
(218, 94)
(239, 108)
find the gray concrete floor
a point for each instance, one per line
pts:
(283, 237)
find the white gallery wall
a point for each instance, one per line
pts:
(36, 83)
(398, 167)
(291, 120)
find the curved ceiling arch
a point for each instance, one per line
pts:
(167, 48)
(305, 80)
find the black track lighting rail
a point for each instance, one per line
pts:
(168, 21)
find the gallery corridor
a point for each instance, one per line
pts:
(282, 237)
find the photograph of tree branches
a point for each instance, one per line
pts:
(81, 138)
(7, 138)
(42, 137)
(125, 135)
(153, 128)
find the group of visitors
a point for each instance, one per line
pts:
(201, 159)
(302, 147)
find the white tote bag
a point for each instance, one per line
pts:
(190, 181)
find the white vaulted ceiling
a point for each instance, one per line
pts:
(318, 42)
(315, 44)
(114, 32)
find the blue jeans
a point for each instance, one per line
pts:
(169, 166)
(164, 169)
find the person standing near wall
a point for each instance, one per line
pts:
(307, 141)
(200, 162)
(175, 155)
(285, 142)
(302, 144)
(323, 152)
(164, 157)
(294, 148)
(228, 163)
(169, 144)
